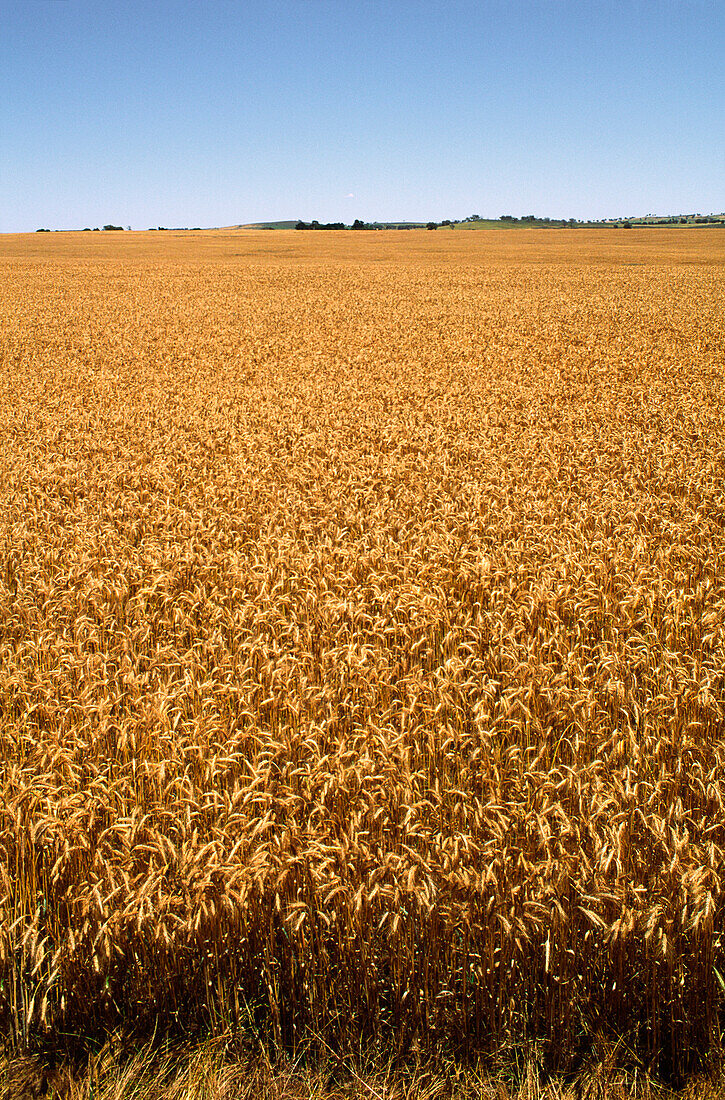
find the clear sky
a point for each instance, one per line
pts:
(219, 112)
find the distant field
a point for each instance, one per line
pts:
(362, 621)
(488, 223)
(496, 223)
(270, 225)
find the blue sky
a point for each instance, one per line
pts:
(218, 112)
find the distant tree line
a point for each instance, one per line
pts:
(321, 225)
(87, 229)
(527, 219)
(532, 219)
(357, 224)
(504, 219)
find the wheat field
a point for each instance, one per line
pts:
(362, 637)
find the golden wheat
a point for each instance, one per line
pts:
(362, 622)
